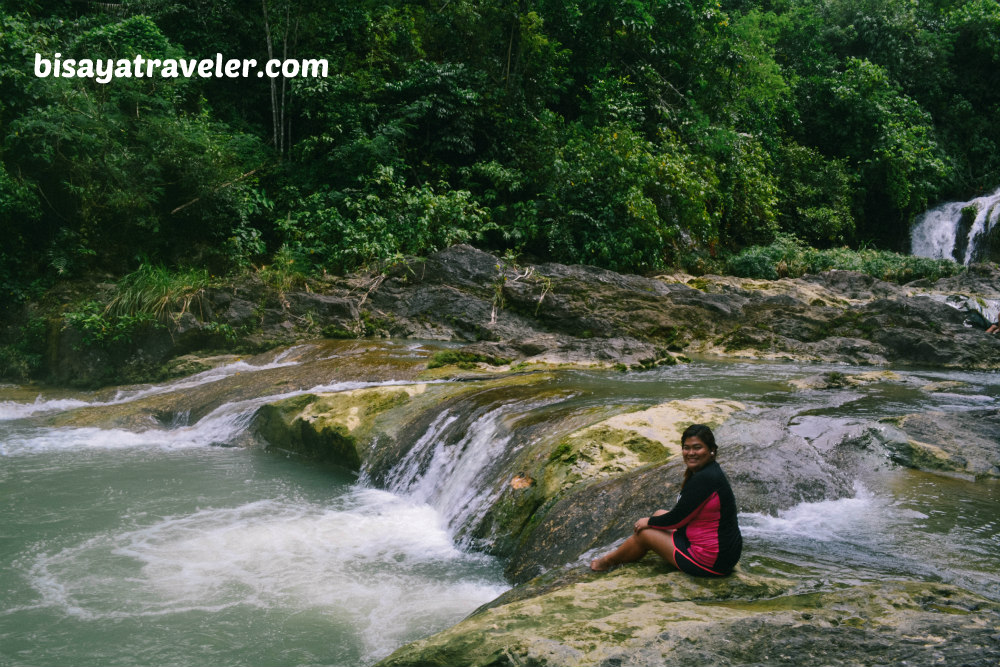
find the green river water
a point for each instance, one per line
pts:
(165, 548)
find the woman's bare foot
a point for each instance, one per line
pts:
(599, 565)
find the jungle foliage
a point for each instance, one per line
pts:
(635, 135)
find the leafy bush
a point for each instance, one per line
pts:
(789, 257)
(99, 329)
(814, 200)
(611, 198)
(339, 231)
(22, 359)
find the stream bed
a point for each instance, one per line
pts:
(169, 547)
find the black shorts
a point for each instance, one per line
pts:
(687, 564)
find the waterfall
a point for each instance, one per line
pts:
(448, 467)
(453, 467)
(957, 230)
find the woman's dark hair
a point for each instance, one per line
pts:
(704, 434)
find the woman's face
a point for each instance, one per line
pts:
(696, 453)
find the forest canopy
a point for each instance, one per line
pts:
(635, 135)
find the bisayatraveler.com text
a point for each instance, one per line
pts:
(103, 70)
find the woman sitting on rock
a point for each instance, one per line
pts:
(700, 535)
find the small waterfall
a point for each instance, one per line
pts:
(448, 466)
(454, 465)
(957, 230)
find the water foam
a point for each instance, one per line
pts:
(842, 519)
(10, 410)
(449, 473)
(381, 563)
(219, 427)
(222, 426)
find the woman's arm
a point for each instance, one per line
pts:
(696, 492)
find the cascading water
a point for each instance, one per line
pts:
(445, 468)
(451, 466)
(957, 230)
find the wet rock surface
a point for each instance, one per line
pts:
(643, 615)
(296, 369)
(967, 443)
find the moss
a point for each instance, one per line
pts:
(662, 357)
(928, 457)
(563, 451)
(328, 427)
(645, 615)
(335, 332)
(700, 284)
(836, 379)
(464, 360)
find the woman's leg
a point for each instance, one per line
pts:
(636, 546)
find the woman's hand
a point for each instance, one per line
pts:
(641, 525)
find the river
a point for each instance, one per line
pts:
(166, 547)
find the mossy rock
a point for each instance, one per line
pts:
(837, 380)
(632, 440)
(609, 459)
(648, 614)
(328, 427)
(464, 360)
(966, 444)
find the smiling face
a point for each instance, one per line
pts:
(696, 453)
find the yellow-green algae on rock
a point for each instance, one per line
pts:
(965, 444)
(628, 441)
(329, 426)
(837, 380)
(648, 614)
(340, 427)
(555, 483)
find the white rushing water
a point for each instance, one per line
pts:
(938, 234)
(18, 410)
(158, 548)
(369, 561)
(448, 474)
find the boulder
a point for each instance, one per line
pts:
(964, 443)
(331, 428)
(643, 614)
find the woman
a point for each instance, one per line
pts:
(700, 536)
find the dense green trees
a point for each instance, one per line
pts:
(635, 135)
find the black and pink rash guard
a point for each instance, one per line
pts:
(705, 518)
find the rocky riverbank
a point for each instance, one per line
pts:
(552, 313)
(645, 615)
